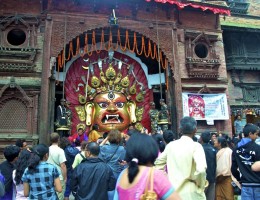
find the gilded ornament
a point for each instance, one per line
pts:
(139, 113)
(81, 113)
(138, 126)
(95, 82)
(118, 78)
(139, 97)
(110, 73)
(83, 126)
(82, 99)
(103, 78)
(125, 82)
(132, 89)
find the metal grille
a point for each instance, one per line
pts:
(13, 115)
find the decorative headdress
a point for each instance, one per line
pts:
(108, 75)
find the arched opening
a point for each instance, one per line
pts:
(128, 46)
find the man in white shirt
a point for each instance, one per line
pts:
(57, 158)
(186, 163)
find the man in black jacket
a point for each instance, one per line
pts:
(92, 178)
(211, 159)
(243, 156)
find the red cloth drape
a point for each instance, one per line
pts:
(223, 11)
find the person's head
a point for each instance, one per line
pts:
(95, 127)
(159, 140)
(83, 145)
(80, 131)
(40, 152)
(141, 149)
(188, 126)
(213, 137)
(92, 149)
(55, 137)
(21, 164)
(133, 132)
(11, 153)
(105, 135)
(152, 105)
(162, 101)
(64, 142)
(21, 143)
(131, 127)
(238, 117)
(205, 137)
(251, 131)
(168, 136)
(63, 102)
(220, 143)
(114, 137)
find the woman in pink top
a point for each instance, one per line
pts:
(141, 152)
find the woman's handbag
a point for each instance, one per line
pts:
(149, 194)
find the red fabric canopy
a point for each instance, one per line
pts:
(224, 11)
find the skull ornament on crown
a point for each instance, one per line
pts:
(110, 92)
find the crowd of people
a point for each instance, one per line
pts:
(134, 165)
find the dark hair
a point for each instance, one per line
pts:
(83, 145)
(114, 137)
(142, 147)
(222, 141)
(105, 135)
(168, 136)
(11, 152)
(133, 132)
(38, 153)
(93, 148)
(21, 164)
(55, 137)
(250, 128)
(188, 125)
(20, 142)
(95, 127)
(205, 137)
(159, 140)
(64, 142)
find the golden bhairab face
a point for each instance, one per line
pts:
(111, 111)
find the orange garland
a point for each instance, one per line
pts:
(147, 53)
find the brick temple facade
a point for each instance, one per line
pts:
(34, 34)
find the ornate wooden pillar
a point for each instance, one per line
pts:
(44, 123)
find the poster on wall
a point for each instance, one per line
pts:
(205, 106)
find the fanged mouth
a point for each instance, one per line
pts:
(112, 119)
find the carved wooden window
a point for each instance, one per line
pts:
(238, 6)
(251, 94)
(13, 115)
(201, 58)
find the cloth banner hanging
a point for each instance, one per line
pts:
(205, 106)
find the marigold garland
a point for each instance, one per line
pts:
(148, 53)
